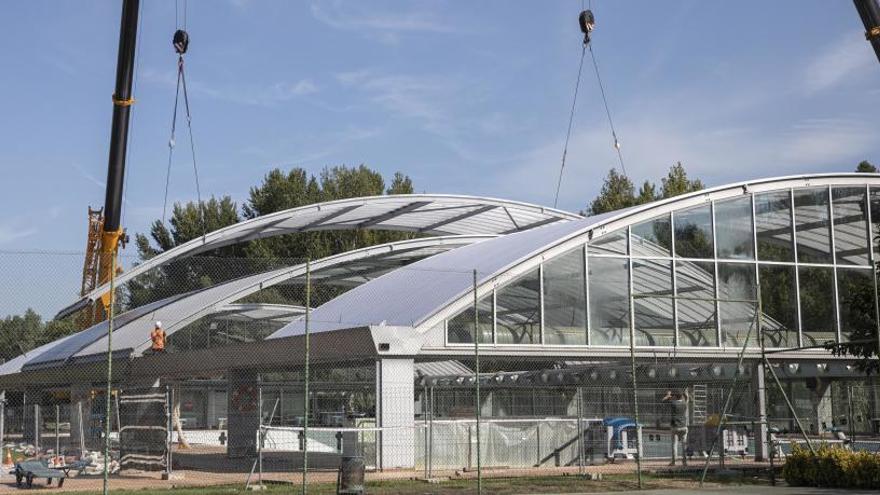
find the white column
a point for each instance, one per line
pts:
(761, 448)
(395, 399)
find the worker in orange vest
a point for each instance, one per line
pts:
(157, 337)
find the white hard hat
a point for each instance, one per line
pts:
(158, 324)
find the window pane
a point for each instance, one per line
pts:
(773, 225)
(850, 225)
(736, 283)
(857, 312)
(779, 304)
(653, 315)
(652, 238)
(461, 326)
(612, 243)
(812, 225)
(565, 299)
(733, 229)
(519, 311)
(609, 301)
(693, 233)
(817, 305)
(696, 303)
(875, 220)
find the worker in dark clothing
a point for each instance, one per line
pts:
(678, 420)
(157, 338)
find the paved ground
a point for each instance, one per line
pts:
(748, 490)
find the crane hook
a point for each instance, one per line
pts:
(587, 21)
(180, 41)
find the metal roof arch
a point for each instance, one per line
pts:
(429, 214)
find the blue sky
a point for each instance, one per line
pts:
(465, 97)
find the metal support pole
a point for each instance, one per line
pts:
(477, 383)
(632, 360)
(37, 429)
(425, 420)
(169, 422)
(850, 415)
(57, 430)
(109, 392)
(259, 438)
(580, 427)
(431, 435)
(2, 425)
(308, 304)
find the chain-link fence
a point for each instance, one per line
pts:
(298, 372)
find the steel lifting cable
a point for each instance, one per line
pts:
(607, 111)
(570, 120)
(587, 23)
(181, 43)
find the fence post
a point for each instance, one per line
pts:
(57, 431)
(110, 320)
(425, 447)
(2, 425)
(431, 434)
(477, 382)
(580, 427)
(632, 360)
(308, 305)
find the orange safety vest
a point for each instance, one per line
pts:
(157, 336)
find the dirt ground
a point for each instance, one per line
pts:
(198, 469)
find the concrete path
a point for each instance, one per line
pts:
(742, 490)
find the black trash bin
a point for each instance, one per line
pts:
(350, 480)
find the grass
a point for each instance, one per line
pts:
(500, 486)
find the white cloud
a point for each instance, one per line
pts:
(9, 233)
(846, 58)
(247, 94)
(717, 156)
(353, 17)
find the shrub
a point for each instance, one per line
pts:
(832, 467)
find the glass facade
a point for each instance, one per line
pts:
(699, 277)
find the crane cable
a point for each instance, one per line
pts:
(587, 23)
(181, 43)
(607, 111)
(570, 120)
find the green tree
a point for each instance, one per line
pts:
(866, 167)
(617, 193)
(188, 273)
(19, 334)
(676, 182)
(278, 191)
(647, 193)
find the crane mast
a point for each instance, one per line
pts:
(869, 11)
(106, 234)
